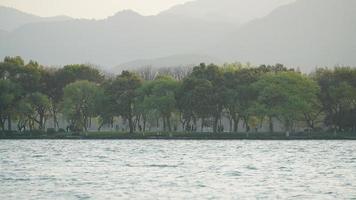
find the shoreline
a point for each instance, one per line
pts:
(179, 136)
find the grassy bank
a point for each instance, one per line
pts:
(179, 136)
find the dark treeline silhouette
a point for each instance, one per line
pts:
(31, 95)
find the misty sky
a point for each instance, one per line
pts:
(89, 8)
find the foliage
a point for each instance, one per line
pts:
(79, 103)
(158, 96)
(338, 96)
(9, 94)
(177, 98)
(286, 96)
(123, 91)
(34, 108)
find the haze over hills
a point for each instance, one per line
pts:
(11, 19)
(231, 11)
(121, 38)
(169, 61)
(304, 33)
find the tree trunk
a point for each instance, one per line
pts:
(41, 124)
(55, 120)
(100, 126)
(169, 124)
(230, 125)
(144, 125)
(236, 124)
(271, 127)
(9, 125)
(85, 124)
(89, 122)
(164, 123)
(246, 124)
(194, 126)
(2, 124)
(215, 125)
(131, 126)
(247, 128)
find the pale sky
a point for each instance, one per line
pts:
(89, 8)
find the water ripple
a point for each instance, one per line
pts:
(177, 169)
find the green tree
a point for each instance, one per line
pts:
(79, 103)
(337, 96)
(9, 95)
(106, 107)
(159, 96)
(201, 96)
(123, 91)
(239, 95)
(53, 81)
(40, 105)
(287, 96)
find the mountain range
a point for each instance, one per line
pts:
(11, 19)
(236, 12)
(301, 33)
(306, 33)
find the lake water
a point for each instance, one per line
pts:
(149, 169)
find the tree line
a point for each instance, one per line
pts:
(31, 94)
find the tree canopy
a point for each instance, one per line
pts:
(200, 99)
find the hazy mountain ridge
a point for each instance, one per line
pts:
(229, 11)
(323, 35)
(304, 33)
(169, 61)
(121, 38)
(11, 18)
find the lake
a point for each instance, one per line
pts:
(158, 169)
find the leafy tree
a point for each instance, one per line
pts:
(159, 96)
(123, 91)
(200, 96)
(79, 103)
(142, 108)
(286, 95)
(239, 95)
(9, 95)
(72, 73)
(337, 96)
(40, 105)
(106, 108)
(53, 81)
(52, 88)
(194, 102)
(214, 95)
(17, 60)
(27, 76)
